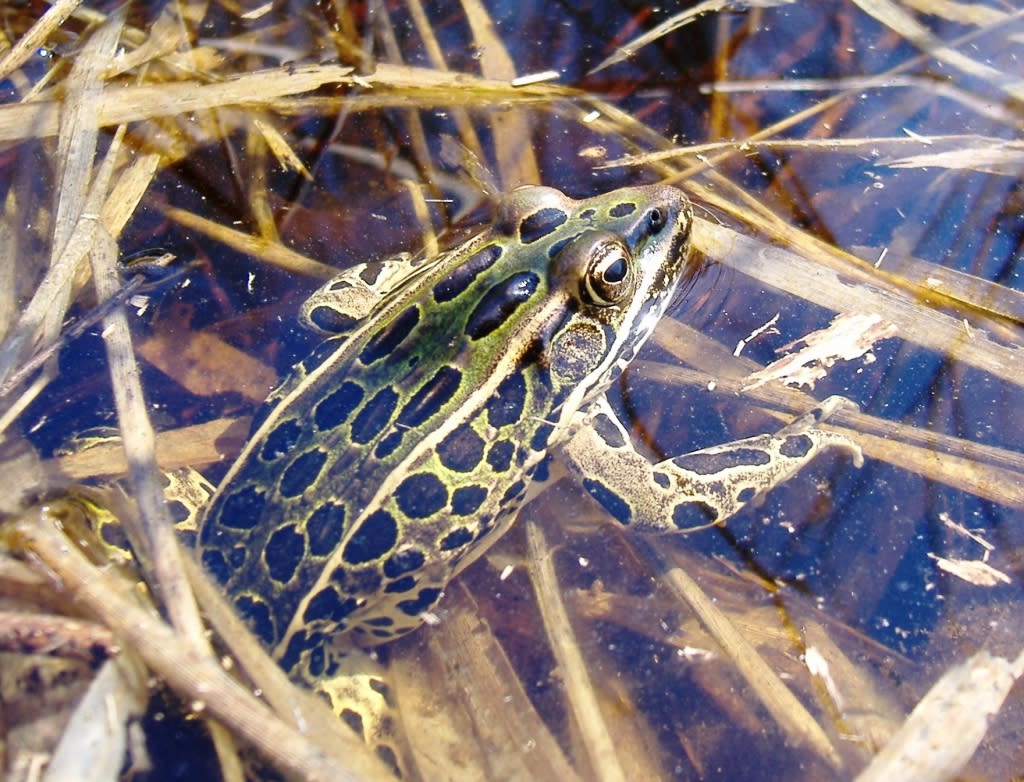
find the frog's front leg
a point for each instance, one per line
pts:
(351, 296)
(698, 489)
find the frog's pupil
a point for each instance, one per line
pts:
(616, 272)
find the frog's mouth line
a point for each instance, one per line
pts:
(694, 267)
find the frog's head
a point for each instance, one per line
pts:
(618, 260)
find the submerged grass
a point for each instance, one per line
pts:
(103, 111)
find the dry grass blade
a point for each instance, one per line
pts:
(76, 147)
(595, 736)
(862, 705)
(77, 204)
(267, 250)
(897, 19)
(930, 328)
(922, 287)
(281, 149)
(797, 723)
(130, 104)
(859, 84)
(96, 738)
(682, 19)
(398, 85)
(23, 48)
(9, 242)
(207, 365)
(198, 677)
(946, 727)
(1005, 158)
(127, 192)
(516, 160)
(467, 133)
(190, 446)
(154, 541)
(856, 146)
(463, 684)
(417, 133)
(160, 42)
(961, 13)
(952, 461)
(974, 294)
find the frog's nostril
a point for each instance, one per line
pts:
(655, 220)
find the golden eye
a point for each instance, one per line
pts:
(607, 279)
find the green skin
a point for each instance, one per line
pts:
(402, 450)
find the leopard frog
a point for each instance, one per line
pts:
(401, 450)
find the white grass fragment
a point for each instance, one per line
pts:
(696, 654)
(768, 327)
(818, 666)
(258, 12)
(973, 571)
(1006, 158)
(94, 742)
(960, 529)
(849, 336)
(947, 725)
(535, 78)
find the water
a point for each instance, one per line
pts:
(839, 559)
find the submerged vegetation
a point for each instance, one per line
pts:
(178, 177)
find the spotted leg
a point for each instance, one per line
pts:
(698, 489)
(337, 307)
(345, 300)
(358, 693)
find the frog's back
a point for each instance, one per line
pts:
(399, 451)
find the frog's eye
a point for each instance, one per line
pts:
(608, 277)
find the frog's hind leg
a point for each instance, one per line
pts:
(358, 693)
